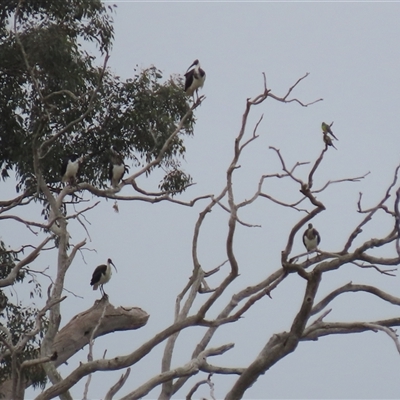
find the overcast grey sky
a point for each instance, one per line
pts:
(352, 52)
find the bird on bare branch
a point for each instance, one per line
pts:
(311, 238)
(327, 129)
(328, 141)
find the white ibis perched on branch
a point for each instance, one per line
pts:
(117, 168)
(194, 79)
(327, 129)
(311, 238)
(101, 275)
(70, 168)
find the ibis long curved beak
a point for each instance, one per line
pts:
(114, 266)
(195, 62)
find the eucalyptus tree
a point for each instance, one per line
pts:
(57, 99)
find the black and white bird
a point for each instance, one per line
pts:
(311, 238)
(194, 79)
(117, 168)
(101, 275)
(70, 168)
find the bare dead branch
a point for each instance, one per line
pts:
(212, 369)
(314, 168)
(279, 345)
(114, 389)
(390, 332)
(284, 168)
(388, 272)
(284, 98)
(355, 179)
(191, 368)
(195, 387)
(116, 363)
(224, 315)
(321, 317)
(180, 315)
(214, 270)
(205, 381)
(254, 137)
(339, 328)
(237, 218)
(91, 343)
(350, 287)
(292, 205)
(30, 363)
(250, 302)
(370, 213)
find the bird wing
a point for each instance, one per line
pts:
(97, 275)
(328, 141)
(189, 79)
(110, 171)
(316, 234)
(64, 167)
(304, 237)
(330, 131)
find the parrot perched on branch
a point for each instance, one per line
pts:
(328, 141)
(327, 129)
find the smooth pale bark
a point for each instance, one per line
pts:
(77, 333)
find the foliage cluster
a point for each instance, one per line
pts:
(54, 96)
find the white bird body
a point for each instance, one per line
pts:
(101, 275)
(117, 168)
(194, 79)
(70, 168)
(311, 238)
(117, 171)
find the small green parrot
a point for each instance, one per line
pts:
(328, 141)
(327, 129)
